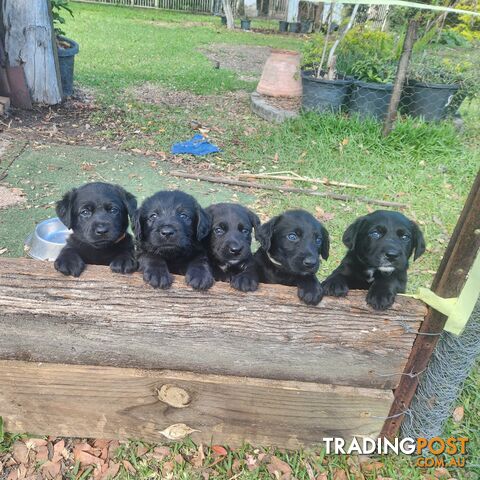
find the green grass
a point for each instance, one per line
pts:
(430, 167)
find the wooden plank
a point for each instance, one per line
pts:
(106, 402)
(117, 320)
(451, 275)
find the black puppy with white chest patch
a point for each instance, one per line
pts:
(169, 227)
(291, 245)
(229, 245)
(379, 246)
(98, 213)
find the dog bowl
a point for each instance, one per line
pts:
(47, 240)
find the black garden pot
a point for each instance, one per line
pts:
(294, 27)
(282, 26)
(321, 95)
(306, 26)
(430, 101)
(370, 99)
(245, 24)
(66, 58)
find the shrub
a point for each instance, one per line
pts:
(57, 7)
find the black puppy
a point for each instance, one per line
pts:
(379, 246)
(169, 227)
(229, 245)
(289, 253)
(98, 215)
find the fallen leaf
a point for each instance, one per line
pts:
(277, 465)
(178, 431)
(441, 473)
(128, 466)
(51, 469)
(219, 450)
(458, 414)
(179, 458)
(288, 183)
(198, 458)
(141, 451)
(251, 462)
(167, 467)
(371, 466)
(339, 474)
(322, 476)
(20, 452)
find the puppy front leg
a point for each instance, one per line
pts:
(69, 262)
(125, 262)
(382, 292)
(199, 274)
(309, 290)
(336, 284)
(155, 271)
(247, 280)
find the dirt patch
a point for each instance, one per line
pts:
(171, 25)
(233, 102)
(291, 104)
(246, 60)
(10, 196)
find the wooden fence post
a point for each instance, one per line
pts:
(400, 77)
(451, 276)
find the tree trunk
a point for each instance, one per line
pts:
(29, 41)
(227, 9)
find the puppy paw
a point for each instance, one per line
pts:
(244, 283)
(311, 294)
(124, 264)
(380, 299)
(199, 278)
(70, 265)
(158, 278)
(335, 287)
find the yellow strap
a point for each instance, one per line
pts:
(458, 310)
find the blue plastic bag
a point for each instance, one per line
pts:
(198, 145)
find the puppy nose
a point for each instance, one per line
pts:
(236, 249)
(392, 254)
(310, 262)
(101, 229)
(167, 231)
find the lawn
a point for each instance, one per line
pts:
(429, 167)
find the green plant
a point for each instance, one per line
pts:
(468, 26)
(58, 6)
(374, 69)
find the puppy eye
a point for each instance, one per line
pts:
(318, 240)
(375, 235)
(218, 231)
(85, 212)
(292, 237)
(114, 210)
(245, 231)
(153, 216)
(184, 216)
(405, 237)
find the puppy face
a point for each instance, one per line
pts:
(385, 240)
(294, 241)
(230, 237)
(97, 212)
(170, 223)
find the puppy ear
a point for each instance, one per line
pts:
(64, 208)
(418, 241)
(204, 223)
(129, 200)
(264, 233)
(255, 221)
(350, 234)
(325, 250)
(137, 225)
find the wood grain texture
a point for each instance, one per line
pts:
(108, 402)
(29, 42)
(117, 320)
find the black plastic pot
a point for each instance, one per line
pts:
(245, 24)
(223, 19)
(306, 26)
(66, 58)
(325, 95)
(282, 26)
(370, 99)
(294, 27)
(428, 100)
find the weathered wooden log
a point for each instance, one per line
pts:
(107, 402)
(107, 319)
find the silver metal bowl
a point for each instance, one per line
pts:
(47, 240)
